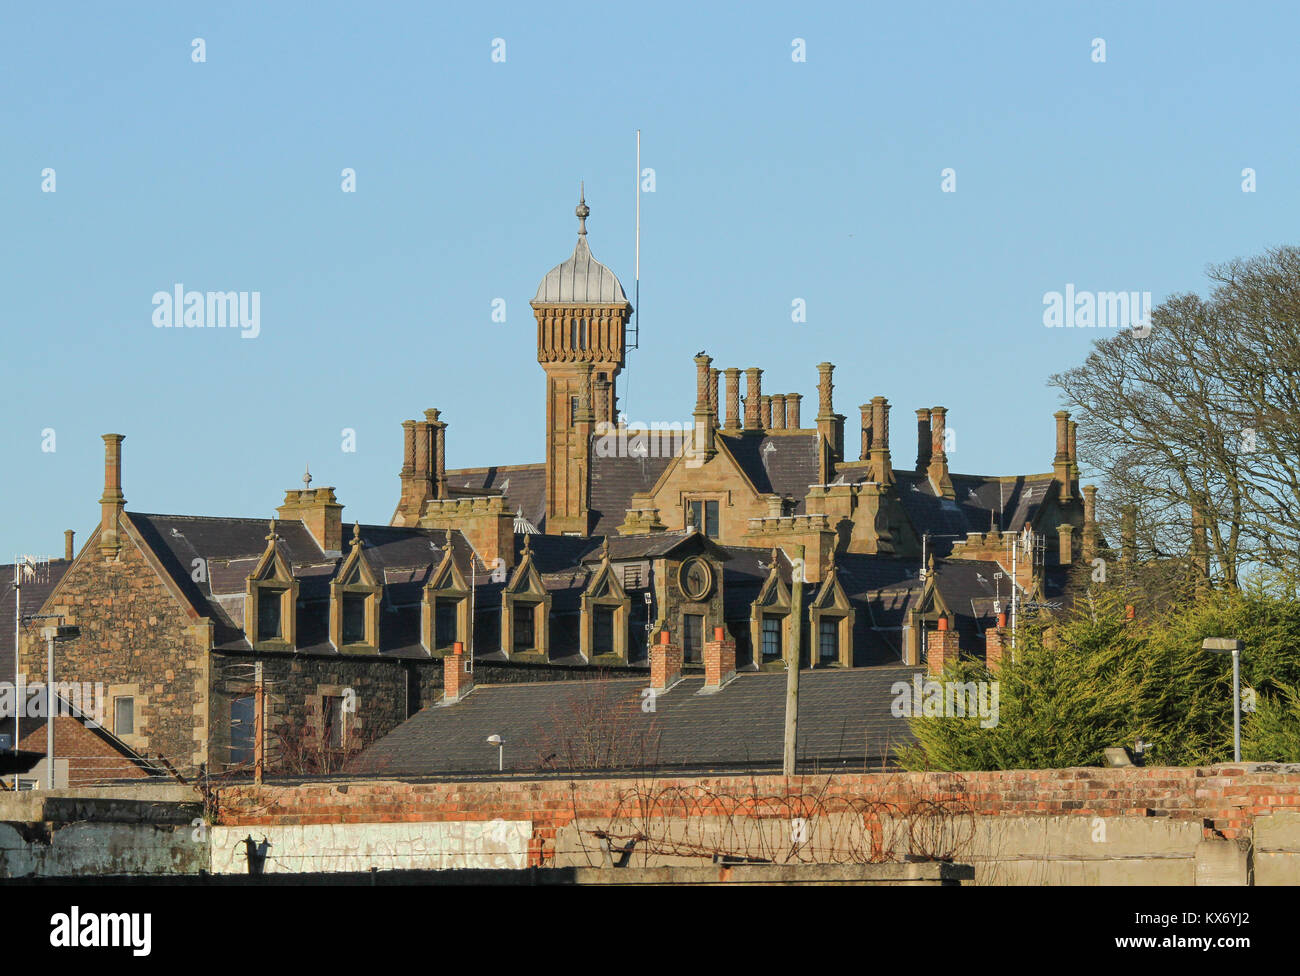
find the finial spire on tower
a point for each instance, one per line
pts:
(306, 478)
(582, 211)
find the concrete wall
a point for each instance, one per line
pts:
(382, 846)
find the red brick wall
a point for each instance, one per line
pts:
(91, 760)
(1225, 799)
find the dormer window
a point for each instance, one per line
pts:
(354, 618)
(606, 613)
(355, 595)
(445, 615)
(271, 600)
(525, 611)
(269, 618)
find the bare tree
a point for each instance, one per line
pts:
(601, 725)
(1197, 423)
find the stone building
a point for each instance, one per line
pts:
(334, 634)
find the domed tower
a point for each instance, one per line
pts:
(582, 315)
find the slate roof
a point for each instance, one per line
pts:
(524, 486)
(33, 594)
(782, 464)
(844, 721)
(614, 480)
(969, 589)
(403, 558)
(981, 502)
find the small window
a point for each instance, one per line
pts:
(268, 614)
(243, 730)
(334, 719)
(525, 632)
(693, 641)
(704, 516)
(828, 638)
(771, 637)
(124, 716)
(354, 618)
(444, 623)
(603, 636)
(632, 576)
(577, 333)
(573, 410)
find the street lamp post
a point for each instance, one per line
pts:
(1226, 645)
(53, 634)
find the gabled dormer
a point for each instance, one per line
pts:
(831, 616)
(606, 609)
(525, 612)
(355, 595)
(444, 615)
(922, 620)
(770, 620)
(271, 600)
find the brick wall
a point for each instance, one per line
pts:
(1223, 801)
(90, 759)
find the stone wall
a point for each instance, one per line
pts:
(137, 640)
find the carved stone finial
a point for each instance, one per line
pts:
(272, 537)
(306, 477)
(582, 211)
(356, 534)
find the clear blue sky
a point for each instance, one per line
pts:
(775, 180)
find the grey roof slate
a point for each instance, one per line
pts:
(844, 721)
(782, 465)
(33, 594)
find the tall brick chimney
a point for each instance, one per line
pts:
(457, 675)
(1061, 462)
(938, 467)
(1074, 453)
(713, 397)
(753, 394)
(68, 551)
(733, 398)
(112, 503)
(865, 410)
(924, 442)
(665, 662)
(765, 411)
(1128, 534)
(1089, 523)
(438, 453)
(882, 467)
(705, 414)
(792, 410)
(719, 661)
(829, 424)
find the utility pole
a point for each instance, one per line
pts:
(792, 663)
(259, 723)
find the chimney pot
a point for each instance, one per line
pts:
(792, 410)
(753, 395)
(67, 545)
(733, 398)
(924, 444)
